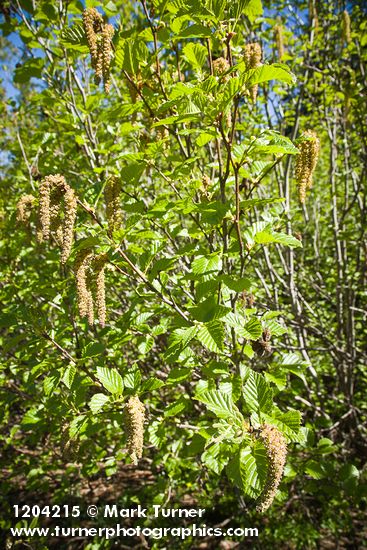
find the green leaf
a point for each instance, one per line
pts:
(110, 379)
(236, 284)
(273, 142)
(266, 237)
(265, 73)
(209, 310)
(97, 402)
(221, 404)
(315, 469)
(151, 384)
(195, 31)
(207, 264)
(211, 335)
(93, 349)
(257, 394)
(74, 38)
(251, 8)
(195, 54)
(214, 458)
(178, 341)
(177, 375)
(248, 469)
(29, 69)
(69, 376)
(177, 407)
(251, 330)
(133, 378)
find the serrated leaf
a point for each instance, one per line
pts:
(177, 375)
(93, 349)
(209, 310)
(211, 335)
(236, 284)
(257, 393)
(206, 264)
(289, 423)
(195, 54)
(214, 459)
(221, 404)
(69, 376)
(273, 143)
(178, 341)
(248, 469)
(176, 408)
(315, 469)
(266, 237)
(133, 378)
(251, 330)
(97, 402)
(110, 379)
(265, 73)
(151, 384)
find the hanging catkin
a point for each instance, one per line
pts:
(276, 451)
(306, 160)
(54, 195)
(99, 38)
(279, 40)
(98, 270)
(70, 207)
(134, 424)
(81, 268)
(112, 192)
(107, 35)
(89, 273)
(346, 27)
(24, 209)
(252, 57)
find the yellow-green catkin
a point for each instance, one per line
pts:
(70, 208)
(24, 209)
(204, 192)
(99, 38)
(99, 265)
(252, 57)
(54, 193)
(107, 35)
(279, 40)
(93, 24)
(276, 450)
(220, 66)
(306, 160)
(82, 268)
(346, 27)
(312, 12)
(134, 423)
(112, 192)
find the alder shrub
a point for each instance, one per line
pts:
(141, 312)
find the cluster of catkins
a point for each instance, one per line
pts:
(134, 424)
(306, 160)
(90, 284)
(276, 450)
(252, 57)
(112, 192)
(57, 212)
(99, 38)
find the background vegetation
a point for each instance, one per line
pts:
(230, 304)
